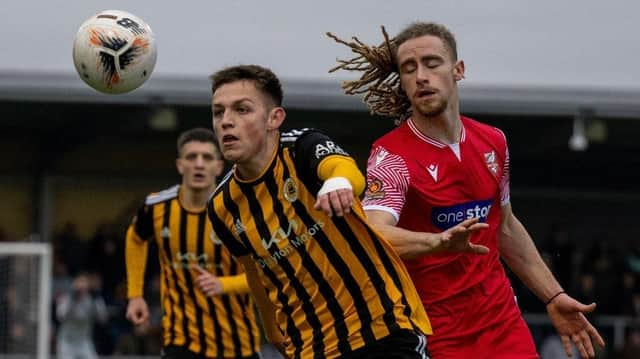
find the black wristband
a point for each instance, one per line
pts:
(554, 297)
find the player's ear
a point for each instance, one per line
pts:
(276, 118)
(458, 70)
(179, 166)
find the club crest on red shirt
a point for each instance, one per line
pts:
(492, 164)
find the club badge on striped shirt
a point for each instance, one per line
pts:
(290, 190)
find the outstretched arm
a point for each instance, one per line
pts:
(410, 244)
(566, 314)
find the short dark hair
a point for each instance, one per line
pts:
(419, 29)
(265, 80)
(198, 134)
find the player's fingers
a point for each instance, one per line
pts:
(586, 342)
(566, 344)
(459, 229)
(593, 333)
(139, 318)
(478, 248)
(575, 338)
(469, 222)
(346, 199)
(335, 203)
(322, 204)
(477, 226)
(586, 308)
(317, 205)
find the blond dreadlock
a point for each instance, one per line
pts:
(380, 81)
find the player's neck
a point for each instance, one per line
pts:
(255, 167)
(445, 127)
(194, 200)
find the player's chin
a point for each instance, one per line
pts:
(200, 184)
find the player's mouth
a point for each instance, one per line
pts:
(425, 94)
(229, 139)
(199, 177)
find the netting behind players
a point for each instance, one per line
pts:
(25, 294)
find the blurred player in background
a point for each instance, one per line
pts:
(207, 309)
(325, 283)
(439, 169)
(77, 312)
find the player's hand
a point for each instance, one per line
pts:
(567, 316)
(209, 284)
(456, 238)
(137, 311)
(336, 202)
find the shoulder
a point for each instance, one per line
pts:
(290, 137)
(311, 141)
(395, 139)
(162, 196)
(493, 134)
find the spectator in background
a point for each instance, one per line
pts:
(631, 349)
(71, 248)
(106, 251)
(77, 311)
(561, 251)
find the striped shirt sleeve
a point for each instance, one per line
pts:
(387, 182)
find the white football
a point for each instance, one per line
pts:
(114, 51)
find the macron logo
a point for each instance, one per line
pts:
(433, 171)
(380, 156)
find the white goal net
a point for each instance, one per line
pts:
(25, 299)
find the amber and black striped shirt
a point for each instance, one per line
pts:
(219, 327)
(336, 284)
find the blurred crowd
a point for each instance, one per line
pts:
(603, 270)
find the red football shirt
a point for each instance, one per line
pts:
(429, 186)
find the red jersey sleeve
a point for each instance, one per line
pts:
(505, 192)
(387, 182)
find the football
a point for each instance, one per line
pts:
(114, 51)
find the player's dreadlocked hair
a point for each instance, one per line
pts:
(380, 81)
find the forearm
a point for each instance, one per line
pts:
(346, 167)
(521, 255)
(407, 244)
(234, 284)
(136, 259)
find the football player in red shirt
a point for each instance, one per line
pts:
(442, 177)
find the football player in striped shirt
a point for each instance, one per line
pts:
(207, 311)
(326, 284)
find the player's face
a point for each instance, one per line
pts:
(428, 74)
(199, 164)
(240, 121)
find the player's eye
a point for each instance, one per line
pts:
(408, 68)
(242, 110)
(432, 64)
(217, 113)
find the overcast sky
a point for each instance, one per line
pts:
(573, 43)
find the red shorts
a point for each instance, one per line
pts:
(484, 321)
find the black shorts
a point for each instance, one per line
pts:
(404, 344)
(177, 352)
